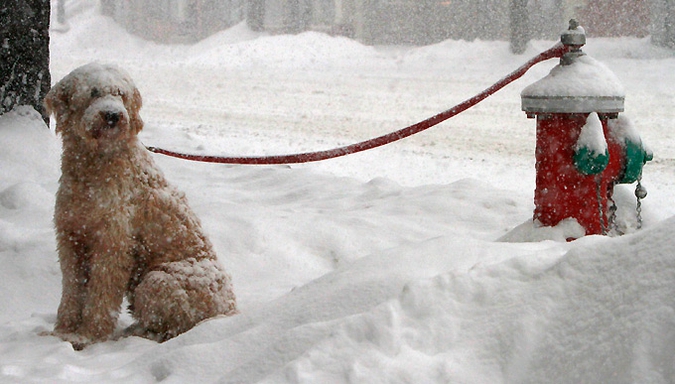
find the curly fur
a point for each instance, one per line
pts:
(121, 229)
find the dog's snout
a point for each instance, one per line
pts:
(112, 118)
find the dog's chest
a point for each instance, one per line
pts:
(97, 191)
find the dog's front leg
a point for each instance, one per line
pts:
(110, 266)
(72, 260)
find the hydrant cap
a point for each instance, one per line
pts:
(584, 86)
(575, 35)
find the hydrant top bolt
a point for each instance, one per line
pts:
(574, 36)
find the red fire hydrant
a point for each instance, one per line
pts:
(583, 147)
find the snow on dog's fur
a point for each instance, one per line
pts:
(121, 228)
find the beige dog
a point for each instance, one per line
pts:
(120, 227)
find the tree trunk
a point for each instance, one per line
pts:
(24, 54)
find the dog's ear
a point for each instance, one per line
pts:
(135, 116)
(52, 101)
(56, 102)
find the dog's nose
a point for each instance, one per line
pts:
(112, 118)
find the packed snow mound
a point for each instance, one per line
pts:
(236, 34)
(587, 316)
(605, 308)
(308, 50)
(30, 151)
(29, 165)
(235, 48)
(454, 307)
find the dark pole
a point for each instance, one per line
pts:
(293, 22)
(61, 11)
(255, 15)
(520, 31)
(108, 7)
(669, 26)
(24, 54)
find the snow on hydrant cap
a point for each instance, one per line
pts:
(579, 84)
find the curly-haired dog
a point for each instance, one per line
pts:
(120, 227)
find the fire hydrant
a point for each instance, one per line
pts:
(583, 147)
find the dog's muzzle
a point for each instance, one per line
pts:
(104, 115)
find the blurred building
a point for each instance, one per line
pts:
(174, 21)
(662, 26)
(387, 21)
(428, 21)
(615, 17)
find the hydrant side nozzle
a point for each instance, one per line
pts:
(588, 162)
(636, 156)
(591, 153)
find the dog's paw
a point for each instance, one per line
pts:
(78, 342)
(138, 330)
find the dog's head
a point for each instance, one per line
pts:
(96, 103)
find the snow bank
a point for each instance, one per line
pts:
(448, 308)
(587, 316)
(307, 50)
(30, 152)
(29, 165)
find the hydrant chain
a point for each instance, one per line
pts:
(640, 193)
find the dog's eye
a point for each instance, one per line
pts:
(95, 92)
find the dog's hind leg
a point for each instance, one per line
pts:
(176, 296)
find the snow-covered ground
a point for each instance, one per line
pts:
(380, 267)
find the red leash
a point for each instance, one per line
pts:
(556, 51)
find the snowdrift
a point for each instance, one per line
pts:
(453, 308)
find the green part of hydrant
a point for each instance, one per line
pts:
(589, 162)
(636, 157)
